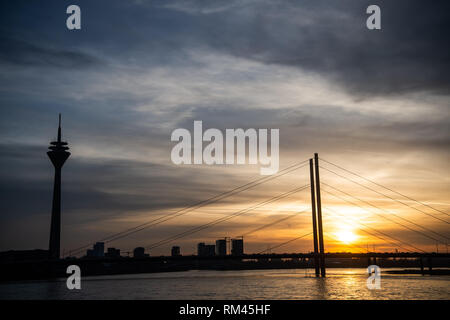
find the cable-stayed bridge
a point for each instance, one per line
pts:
(319, 209)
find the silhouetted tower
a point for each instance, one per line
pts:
(58, 154)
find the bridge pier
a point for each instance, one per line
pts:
(421, 266)
(430, 265)
(371, 261)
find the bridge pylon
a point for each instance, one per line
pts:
(314, 218)
(317, 210)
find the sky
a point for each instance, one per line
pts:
(375, 102)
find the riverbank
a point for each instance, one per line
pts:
(47, 269)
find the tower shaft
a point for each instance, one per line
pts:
(55, 227)
(58, 155)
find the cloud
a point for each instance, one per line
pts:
(407, 55)
(120, 185)
(332, 40)
(374, 101)
(26, 54)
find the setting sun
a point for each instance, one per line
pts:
(346, 236)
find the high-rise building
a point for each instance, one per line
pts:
(99, 249)
(139, 252)
(210, 250)
(237, 247)
(176, 251)
(200, 248)
(112, 253)
(206, 250)
(58, 155)
(221, 247)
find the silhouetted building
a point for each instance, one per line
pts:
(58, 154)
(210, 250)
(139, 252)
(221, 247)
(206, 250)
(23, 255)
(237, 247)
(176, 251)
(200, 248)
(99, 249)
(113, 253)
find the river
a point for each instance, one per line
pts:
(249, 284)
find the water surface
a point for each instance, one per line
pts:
(248, 284)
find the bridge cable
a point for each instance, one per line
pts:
(422, 227)
(274, 222)
(222, 219)
(390, 189)
(379, 237)
(368, 188)
(199, 204)
(384, 217)
(372, 234)
(156, 223)
(284, 243)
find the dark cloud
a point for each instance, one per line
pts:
(23, 53)
(410, 53)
